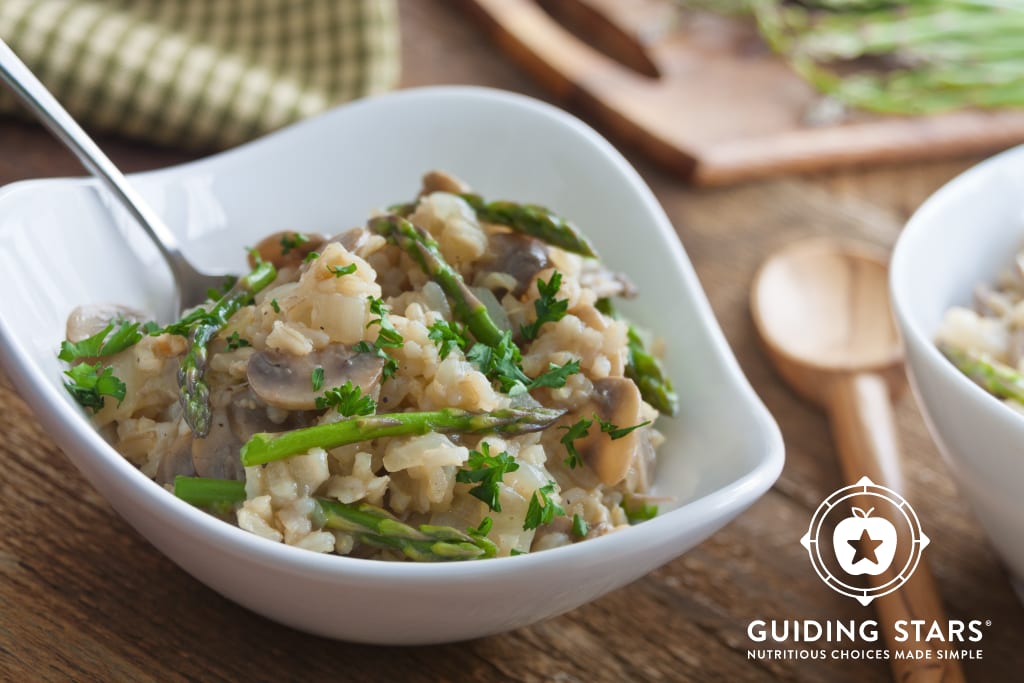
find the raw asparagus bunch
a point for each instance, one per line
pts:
(423, 249)
(994, 377)
(265, 447)
(645, 369)
(533, 220)
(200, 327)
(919, 57)
(370, 524)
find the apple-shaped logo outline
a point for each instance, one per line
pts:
(864, 544)
(810, 540)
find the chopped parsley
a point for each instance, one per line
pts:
(448, 336)
(342, 270)
(515, 551)
(542, 509)
(229, 282)
(235, 341)
(387, 338)
(575, 431)
(317, 378)
(311, 256)
(106, 342)
(291, 241)
(616, 432)
(501, 364)
(348, 400)
(276, 306)
(90, 383)
(485, 528)
(579, 527)
(548, 308)
(486, 471)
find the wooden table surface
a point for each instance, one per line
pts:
(84, 597)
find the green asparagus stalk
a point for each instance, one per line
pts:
(532, 220)
(265, 447)
(424, 250)
(370, 524)
(994, 377)
(377, 527)
(193, 391)
(645, 369)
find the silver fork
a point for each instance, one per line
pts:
(191, 285)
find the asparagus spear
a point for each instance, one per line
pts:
(265, 447)
(424, 250)
(532, 220)
(994, 377)
(377, 527)
(645, 369)
(371, 525)
(193, 392)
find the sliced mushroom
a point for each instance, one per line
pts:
(177, 461)
(1016, 351)
(607, 283)
(288, 248)
(87, 320)
(285, 381)
(237, 414)
(352, 239)
(439, 181)
(521, 256)
(616, 400)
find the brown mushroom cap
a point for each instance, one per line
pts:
(285, 380)
(521, 256)
(89, 319)
(616, 400)
(272, 249)
(439, 181)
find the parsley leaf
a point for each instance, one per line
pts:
(235, 341)
(127, 334)
(291, 241)
(542, 509)
(448, 336)
(276, 306)
(579, 527)
(317, 378)
(486, 471)
(501, 364)
(555, 376)
(311, 256)
(616, 432)
(348, 400)
(485, 527)
(342, 270)
(90, 383)
(514, 552)
(575, 431)
(548, 308)
(387, 338)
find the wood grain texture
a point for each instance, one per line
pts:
(705, 98)
(84, 598)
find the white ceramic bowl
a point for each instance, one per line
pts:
(965, 234)
(62, 244)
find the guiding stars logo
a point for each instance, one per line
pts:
(876, 534)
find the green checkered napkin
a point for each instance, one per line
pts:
(202, 73)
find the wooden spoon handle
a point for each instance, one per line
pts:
(860, 412)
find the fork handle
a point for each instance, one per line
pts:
(49, 111)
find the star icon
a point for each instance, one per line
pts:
(865, 547)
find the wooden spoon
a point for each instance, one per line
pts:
(822, 309)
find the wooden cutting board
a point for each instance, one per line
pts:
(703, 96)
